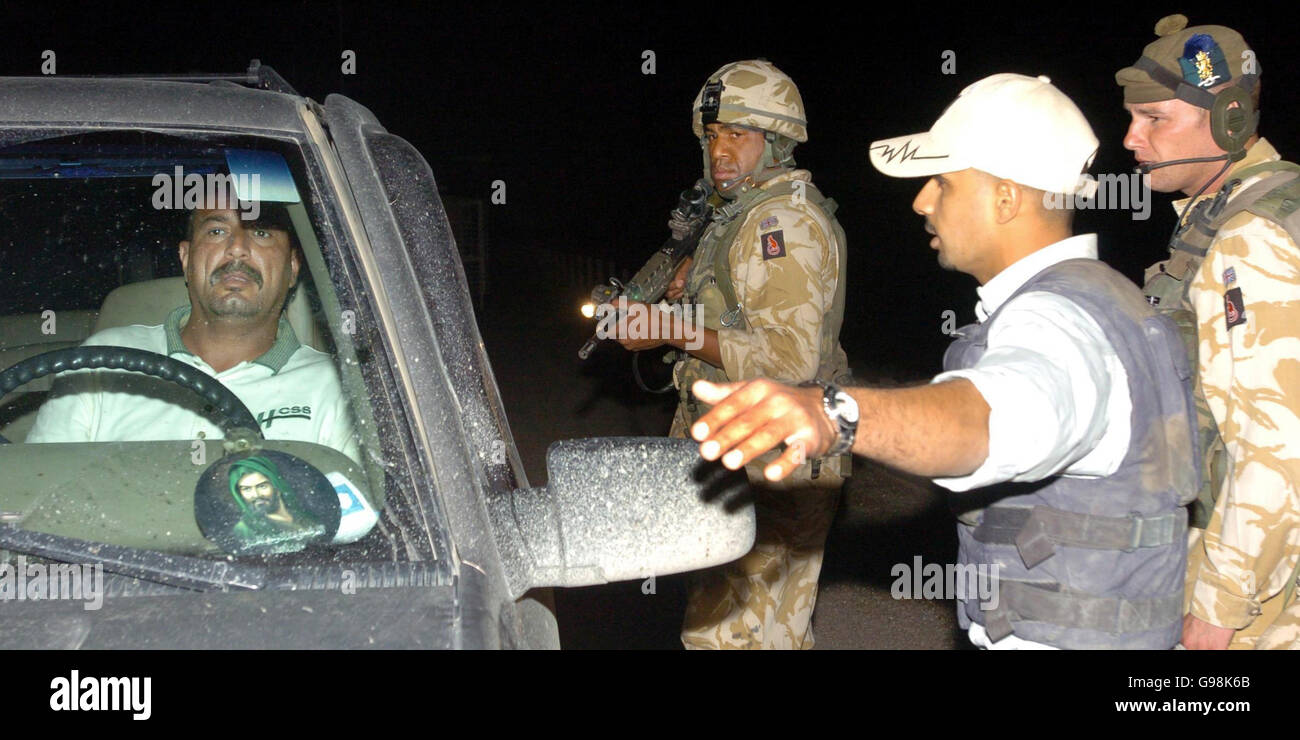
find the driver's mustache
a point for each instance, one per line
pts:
(235, 266)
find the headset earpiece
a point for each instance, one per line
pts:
(1232, 126)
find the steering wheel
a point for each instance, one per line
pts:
(232, 412)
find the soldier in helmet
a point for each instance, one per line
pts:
(1232, 282)
(768, 277)
(1061, 423)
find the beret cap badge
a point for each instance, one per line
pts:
(1203, 63)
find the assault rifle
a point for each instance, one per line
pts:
(687, 223)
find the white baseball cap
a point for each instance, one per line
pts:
(1011, 126)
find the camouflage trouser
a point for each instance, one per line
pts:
(766, 598)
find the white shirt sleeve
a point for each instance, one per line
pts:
(1057, 394)
(338, 430)
(69, 413)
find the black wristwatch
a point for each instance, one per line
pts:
(843, 410)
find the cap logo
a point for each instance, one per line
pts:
(710, 101)
(903, 153)
(1203, 63)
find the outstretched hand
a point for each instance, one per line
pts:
(748, 419)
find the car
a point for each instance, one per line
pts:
(427, 534)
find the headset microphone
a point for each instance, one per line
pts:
(726, 185)
(1144, 169)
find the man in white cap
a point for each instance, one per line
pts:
(1062, 422)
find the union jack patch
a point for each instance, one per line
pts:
(1229, 276)
(768, 223)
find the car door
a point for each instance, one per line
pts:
(406, 253)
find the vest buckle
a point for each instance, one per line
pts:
(732, 317)
(1135, 534)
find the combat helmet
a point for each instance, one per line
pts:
(755, 94)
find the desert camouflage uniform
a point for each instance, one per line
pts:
(787, 329)
(1240, 566)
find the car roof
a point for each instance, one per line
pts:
(94, 101)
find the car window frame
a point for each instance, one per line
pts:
(420, 531)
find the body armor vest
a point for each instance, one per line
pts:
(709, 286)
(1093, 562)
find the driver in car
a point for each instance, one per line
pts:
(239, 273)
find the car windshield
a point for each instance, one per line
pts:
(150, 262)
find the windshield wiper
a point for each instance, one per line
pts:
(181, 571)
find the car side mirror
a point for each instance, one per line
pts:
(622, 508)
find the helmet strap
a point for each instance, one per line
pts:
(778, 151)
(777, 158)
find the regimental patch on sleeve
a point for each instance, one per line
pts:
(773, 244)
(1234, 308)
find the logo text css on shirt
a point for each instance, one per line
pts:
(266, 418)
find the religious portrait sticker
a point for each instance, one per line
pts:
(265, 503)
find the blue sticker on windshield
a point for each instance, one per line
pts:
(261, 176)
(358, 517)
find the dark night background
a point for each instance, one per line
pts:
(552, 101)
